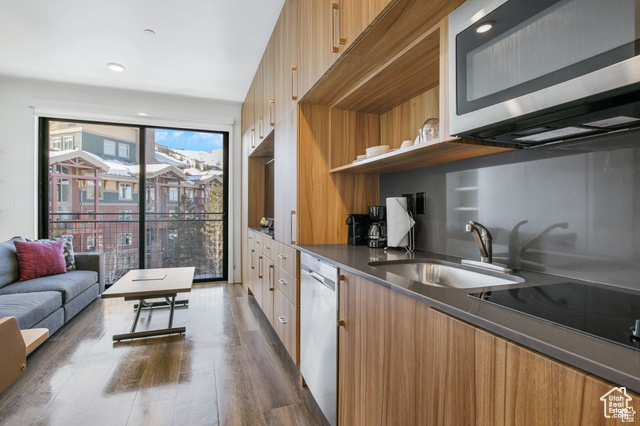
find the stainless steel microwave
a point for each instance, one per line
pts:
(536, 72)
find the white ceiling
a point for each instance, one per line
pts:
(202, 48)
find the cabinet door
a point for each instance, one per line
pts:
(356, 15)
(459, 371)
(286, 77)
(268, 87)
(256, 276)
(285, 322)
(250, 115)
(541, 391)
(318, 45)
(285, 179)
(362, 320)
(268, 288)
(592, 406)
(248, 110)
(259, 106)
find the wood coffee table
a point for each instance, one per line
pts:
(141, 284)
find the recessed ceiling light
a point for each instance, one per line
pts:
(149, 32)
(142, 114)
(484, 27)
(115, 67)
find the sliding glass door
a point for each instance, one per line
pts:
(146, 197)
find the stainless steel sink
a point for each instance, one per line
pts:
(445, 274)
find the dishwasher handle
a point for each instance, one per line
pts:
(317, 277)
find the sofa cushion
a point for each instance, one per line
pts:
(29, 309)
(70, 284)
(40, 259)
(67, 250)
(9, 270)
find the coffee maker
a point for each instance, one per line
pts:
(377, 235)
(358, 229)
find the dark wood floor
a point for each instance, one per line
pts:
(229, 369)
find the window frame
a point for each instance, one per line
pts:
(56, 140)
(122, 185)
(65, 139)
(106, 143)
(123, 145)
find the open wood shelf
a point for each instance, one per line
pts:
(412, 71)
(423, 155)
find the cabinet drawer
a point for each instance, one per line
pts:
(251, 238)
(288, 259)
(288, 285)
(285, 322)
(268, 247)
(257, 236)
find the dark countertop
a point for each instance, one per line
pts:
(599, 357)
(265, 231)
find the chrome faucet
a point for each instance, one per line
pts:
(483, 240)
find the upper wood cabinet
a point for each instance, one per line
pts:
(318, 44)
(268, 97)
(355, 16)
(248, 117)
(286, 60)
(248, 110)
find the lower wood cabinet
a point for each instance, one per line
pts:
(403, 362)
(286, 319)
(267, 288)
(267, 275)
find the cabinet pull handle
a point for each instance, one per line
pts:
(271, 277)
(253, 138)
(342, 323)
(260, 267)
(335, 9)
(253, 263)
(282, 320)
(282, 282)
(294, 226)
(341, 40)
(261, 127)
(294, 80)
(272, 120)
(282, 256)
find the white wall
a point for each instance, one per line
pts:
(22, 100)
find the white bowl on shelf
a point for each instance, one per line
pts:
(406, 144)
(377, 150)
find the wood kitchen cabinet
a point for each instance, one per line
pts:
(286, 60)
(268, 96)
(286, 179)
(267, 287)
(318, 44)
(274, 287)
(403, 362)
(356, 15)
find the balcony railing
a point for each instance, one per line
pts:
(170, 240)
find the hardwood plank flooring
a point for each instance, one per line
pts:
(230, 368)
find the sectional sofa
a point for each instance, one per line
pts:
(48, 302)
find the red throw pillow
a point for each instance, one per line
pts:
(40, 259)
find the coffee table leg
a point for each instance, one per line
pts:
(173, 306)
(135, 321)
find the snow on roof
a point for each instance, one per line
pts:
(70, 154)
(166, 159)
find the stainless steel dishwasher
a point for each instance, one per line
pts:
(319, 332)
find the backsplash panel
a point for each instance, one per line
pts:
(575, 215)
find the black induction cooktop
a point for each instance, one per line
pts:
(606, 313)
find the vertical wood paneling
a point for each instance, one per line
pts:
(325, 200)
